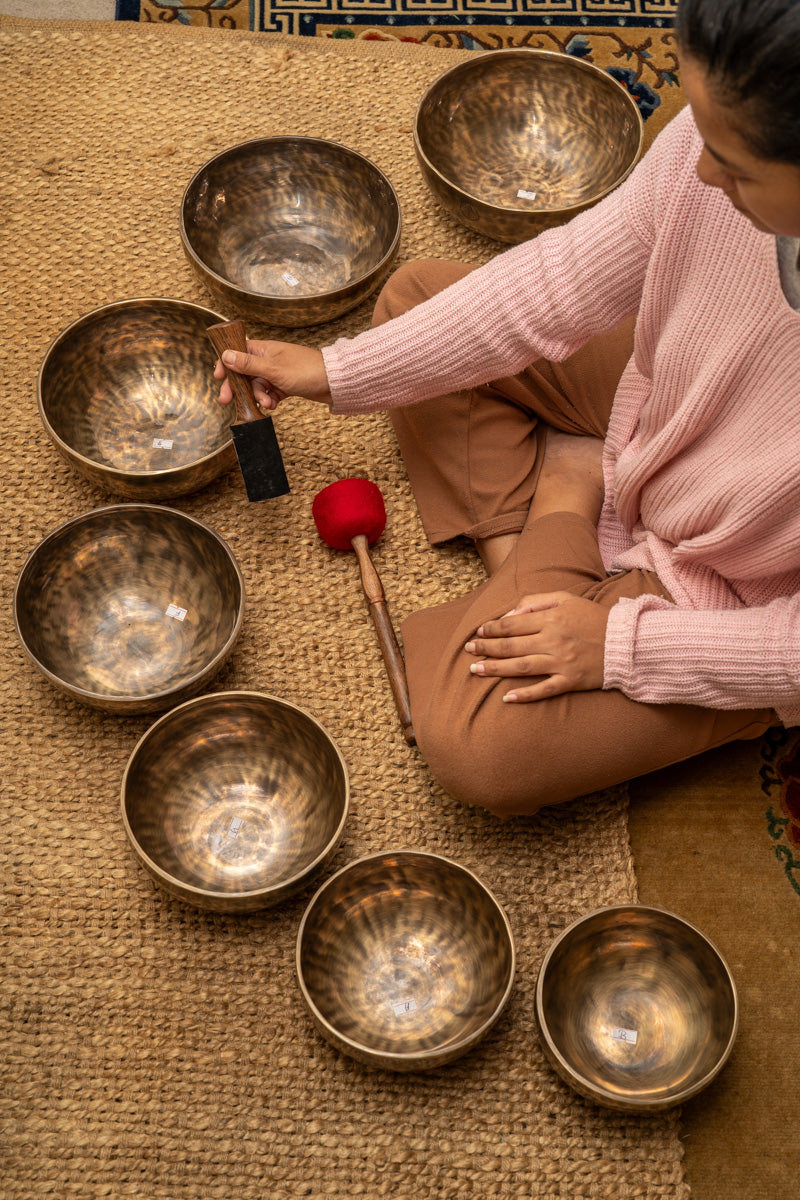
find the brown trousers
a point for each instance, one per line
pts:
(473, 459)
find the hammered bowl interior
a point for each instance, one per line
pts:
(233, 800)
(637, 1009)
(524, 133)
(131, 607)
(127, 394)
(290, 228)
(405, 959)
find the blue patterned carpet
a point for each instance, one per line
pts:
(466, 18)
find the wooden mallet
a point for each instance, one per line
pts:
(253, 433)
(350, 515)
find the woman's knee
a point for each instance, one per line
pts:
(413, 284)
(482, 772)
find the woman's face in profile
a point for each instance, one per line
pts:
(765, 191)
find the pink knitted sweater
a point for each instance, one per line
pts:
(702, 458)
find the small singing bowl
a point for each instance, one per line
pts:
(513, 141)
(405, 960)
(290, 231)
(127, 395)
(637, 1009)
(233, 801)
(131, 608)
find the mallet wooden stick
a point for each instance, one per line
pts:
(351, 514)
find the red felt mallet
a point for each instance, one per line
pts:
(350, 515)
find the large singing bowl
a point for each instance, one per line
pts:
(234, 800)
(405, 960)
(131, 608)
(637, 1009)
(290, 231)
(513, 141)
(127, 395)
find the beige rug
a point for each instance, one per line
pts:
(151, 1050)
(717, 840)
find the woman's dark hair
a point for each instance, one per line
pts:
(750, 50)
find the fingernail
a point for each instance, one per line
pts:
(509, 697)
(230, 357)
(479, 631)
(477, 668)
(470, 647)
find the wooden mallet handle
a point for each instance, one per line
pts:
(230, 335)
(392, 657)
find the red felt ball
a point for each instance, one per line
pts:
(346, 508)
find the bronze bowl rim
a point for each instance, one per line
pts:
(101, 699)
(529, 52)
(173, 883)
(93, 463)
(596, 1091)
(363, 1051)
(228, 284)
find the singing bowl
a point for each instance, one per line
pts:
(637, 1009)
(290, 230)
(131, 608)
(233, 801)
(405, 960)
(127, 395)
(513, 141)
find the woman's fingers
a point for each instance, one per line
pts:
(554, 642)
(506, 668)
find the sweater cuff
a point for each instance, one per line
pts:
(347, 399)
(726, 659)
(620, 644)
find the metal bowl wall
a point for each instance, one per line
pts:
(637, 1008)
(290, 231)
(131, 608)
(513, 141)
(127, 395)
(234, 800)
(405, 960)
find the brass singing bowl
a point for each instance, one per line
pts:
(131, 608)
(233, 801)
(637, 1009)
(290, 230)
(128, 398)
(513, 141)
(405, 960)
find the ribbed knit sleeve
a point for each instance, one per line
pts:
(739, 658)
(544, 298)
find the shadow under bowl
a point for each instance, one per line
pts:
(513, 141)
(233, 801)
(637, 1009)
(127, 395)
(405, 960)
(290, 231)
(131, 608)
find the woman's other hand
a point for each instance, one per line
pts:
(276, 370)
(555, 636)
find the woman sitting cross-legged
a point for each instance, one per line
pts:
(612, 412)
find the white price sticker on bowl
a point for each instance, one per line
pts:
(174, 610)
(404, 1006)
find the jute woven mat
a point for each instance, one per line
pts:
(152, 1050)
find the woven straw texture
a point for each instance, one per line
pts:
(150, 1049)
